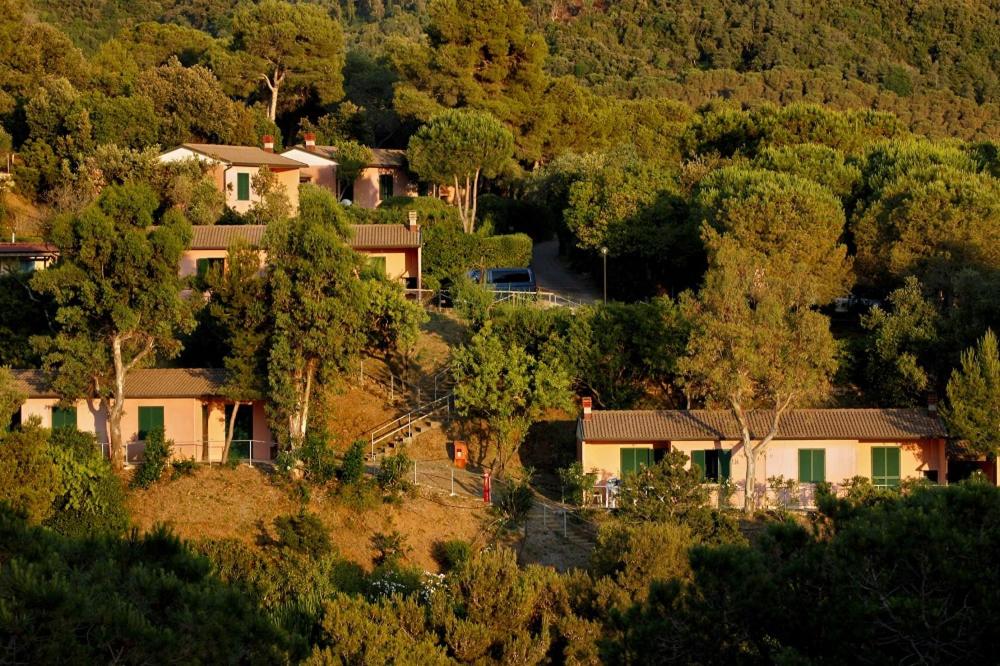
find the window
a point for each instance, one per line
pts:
(812, 465)
(632, 460)
(714, 464)
(209, 264)
(243, 187)
(384, 186)
(64, 417)
(150, 418)
(885, 466)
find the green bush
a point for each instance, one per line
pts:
(91, 497)
(154, 460)
(352, 469)
(184, 467)
(575, 483)
(29, 481)
(364, 495)
(472, 301)
(303, 533)
(392, 471)
(318, 456)
(513, 501)
(449, 252)
(452, 554)
(390, 548)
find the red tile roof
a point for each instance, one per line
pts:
(28, 249)
(242, 155)
(366, 236)
(679, 425)
(389, 236)
(144, 383)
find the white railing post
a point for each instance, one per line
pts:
(452, 481)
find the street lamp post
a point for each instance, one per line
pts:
(604, 256)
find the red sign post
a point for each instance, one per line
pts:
(487, 478)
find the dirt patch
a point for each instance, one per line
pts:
(239, 503)
(352, 413)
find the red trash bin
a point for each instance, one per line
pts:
(461, 455)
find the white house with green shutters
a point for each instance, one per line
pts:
(887, 446)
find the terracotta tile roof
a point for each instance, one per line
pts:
(28, 249)
(327, 152)
(219, 237)
(384, 236)
(242, 155)
(678, 425)
(145, 383)
(388, 157)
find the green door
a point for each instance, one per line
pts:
(150, 418)
(885, 466)
(632, 460)
(64, 417)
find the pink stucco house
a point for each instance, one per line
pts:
(813, 445)
(395, 248)
(185, 402)
(386, 176)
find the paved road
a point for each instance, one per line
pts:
(554, 275)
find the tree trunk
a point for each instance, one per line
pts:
(475, 200)
(117, 407)
(273, 84)
(753, 452)
(298, 421)
(229, 433)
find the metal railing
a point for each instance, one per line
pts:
(548, 298)
(250, 451)
(406, 422)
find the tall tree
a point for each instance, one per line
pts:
(499, 381)
(774, 253)
(294, 45)
(239, 305)
(480, 54)
(456, 148)
(318, 303)
(118, 296)
(973, 409)
(11, 397)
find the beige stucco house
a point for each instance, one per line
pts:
(813, 445)
(233, 169)
(186, 403)
(18, 257)
(396, 248)
(386, 176)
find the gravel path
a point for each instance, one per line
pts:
(554, 275)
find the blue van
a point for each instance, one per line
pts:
(507, 279)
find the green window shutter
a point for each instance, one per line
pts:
(64, 417)
(150, 418)
(819, 466)
(698, 458)
(885, 466)
(243, 186)
(878, 465)
(627, 461)
(202, 265)
(812, 465)
(725, 464)
(385, 186)
(643, 458)
(805, 465)
(892, 467)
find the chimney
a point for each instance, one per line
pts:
(932, 402)
(587, 404)
(310, 139)
(411, 221)
(269, 143)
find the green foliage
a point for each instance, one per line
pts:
(457, 147)
(91, 497)
(390, 548)
(453, 554)
(155, 456)
(112, 591)
(318, 456)
(500, 381)
(575, 483)
(352, 468)
(29, 481)
(450, 253)
(393, 321)
(393, 471)
(636, 556)
(11, 397)
(974, 397)
(513, 499)
(665, 491)
(182, 468)
(303, 533)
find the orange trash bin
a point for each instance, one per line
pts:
(461, 455)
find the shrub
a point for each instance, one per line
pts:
(91, 497)
(29, 479)
(303, 533)
(575, 483)
(352, 469)
(361, 496)
(472, 301)
(390, 548)
(450, 252)
(181, 468)
(392, 470)
(452, 554)
(514, 500)
(154, 459)
(636, 555)
(318, 457)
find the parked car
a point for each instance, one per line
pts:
(507, 279)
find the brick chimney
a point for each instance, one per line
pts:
(268, 143)
(310, 139)
(411, 221)
(587, 403)
(932, 402)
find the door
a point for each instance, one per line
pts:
(242, 430)
(150, 418)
